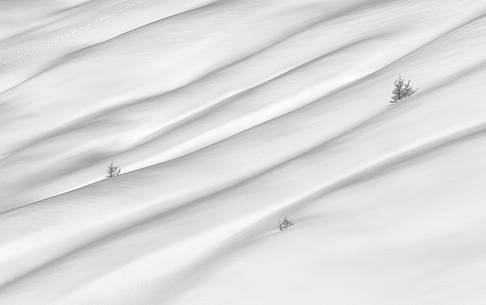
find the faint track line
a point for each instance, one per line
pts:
(71, 33)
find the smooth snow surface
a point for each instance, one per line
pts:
(225, 117)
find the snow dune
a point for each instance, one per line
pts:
(226, 116)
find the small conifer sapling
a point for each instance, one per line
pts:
(402, 90)
(113, 170)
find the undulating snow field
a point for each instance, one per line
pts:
(225, 117)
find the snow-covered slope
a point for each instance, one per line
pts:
(225, 117)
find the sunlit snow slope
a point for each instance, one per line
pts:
(226, 116)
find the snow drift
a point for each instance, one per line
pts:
(225, 117)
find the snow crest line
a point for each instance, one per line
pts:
(71, 33)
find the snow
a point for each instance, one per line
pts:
(226, 117)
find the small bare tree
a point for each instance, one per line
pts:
(402, 90)
(284, 224)
(113, 170)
